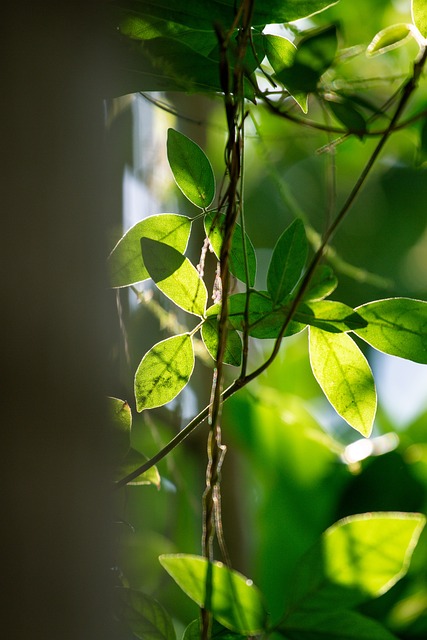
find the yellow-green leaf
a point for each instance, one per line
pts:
(164, 371)
(389, 38)
(132, 461)
(125, 262)
(345, 377)
(175, 276)
(231, 597)
(419, 16)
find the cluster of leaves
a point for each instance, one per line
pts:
(341, 571)
(178, 50)
(154, 248)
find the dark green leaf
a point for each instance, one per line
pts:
(125, 262)
(397, 326)
(219, 632)
(314, 55)
(233, 351)
(121, 422)
(174, 274)
(164, 371)
(214, 225)
(133, 460)
(322, 284)
(347, 114)
(333, 625)
(358, 558)
(144, 616)
(329, 315)
(203, 15)
(345, 377)
(419, 16)
(287, 262)
(191, 169)
(389, 38)
(233, 599)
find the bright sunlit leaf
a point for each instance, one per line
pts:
(143, 615)
(358, 558)
(419, 16)
(233, 599)
(345, 377)
(175, 276)
(389, 38)
(191, 169)
(125, 262)
(397, 326)
(329, 315)
(287, 261)
(214, 231)
(164, 371)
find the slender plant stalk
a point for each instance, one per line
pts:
(407, 91)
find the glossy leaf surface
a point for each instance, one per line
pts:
(287, 262)
(358, 558)
(397, 326)
(191, 169)
(164, 371)
(233, 599)
(125, 262)
(345, 377)
(175, 276)
(214, 231)
(144, 616)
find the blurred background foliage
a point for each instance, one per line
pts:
(293, 467)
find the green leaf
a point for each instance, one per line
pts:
(233, 351)
(333, 625)
(218, 632)
(279, 51)
(121, 423)
(389, 38)
(203, 15)
(233, 599)
(329, 315)
(132, 461)
(125, 262)
(397, 326)
(164, 371)
(214, 225)
(345, 377)
(314, 55)
(191, 169)
(322, 284)
(175, 276)
(419, 16)
(144, 616)
(264, 320)
(347, 114)
(358, 558)
(287, 262)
